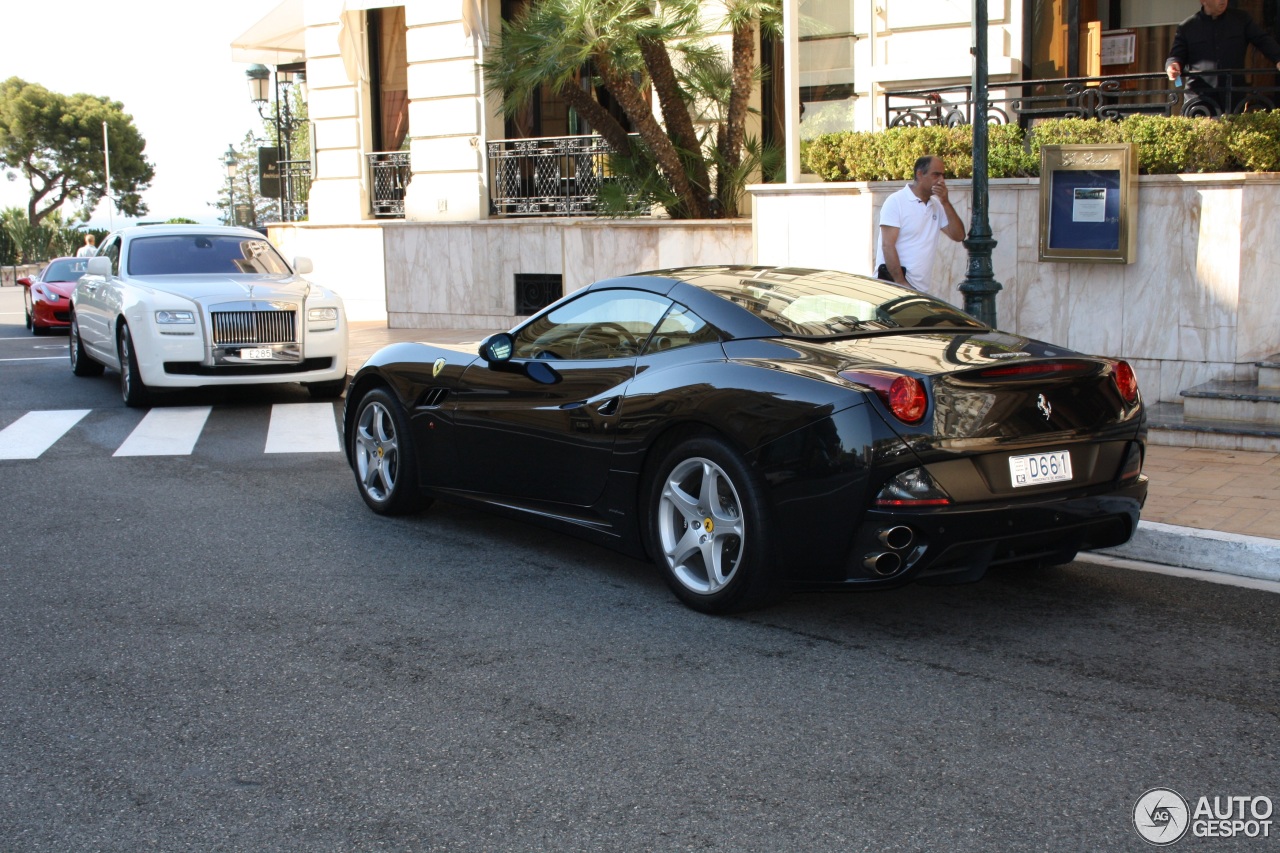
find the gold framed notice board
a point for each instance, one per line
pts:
(1088, 203)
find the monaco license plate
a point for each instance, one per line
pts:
(256, 353)
(1037, 468)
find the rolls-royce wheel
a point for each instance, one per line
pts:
(709, 530)
(81, 363)
(383, 456)
(132, 388)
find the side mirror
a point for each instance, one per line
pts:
(302, 266)
(98, 266)
(497, 349)
(24, 281)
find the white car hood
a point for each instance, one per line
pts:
(223, 288)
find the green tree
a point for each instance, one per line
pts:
(625, 46)
(253, 209)
(26, 243)
(55, 142)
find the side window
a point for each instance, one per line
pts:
(601, 324)
(111, 249)
(681, 328)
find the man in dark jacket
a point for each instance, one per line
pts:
(1216, 37)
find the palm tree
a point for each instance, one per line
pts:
(625, 46)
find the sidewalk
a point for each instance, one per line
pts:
(1210, 510)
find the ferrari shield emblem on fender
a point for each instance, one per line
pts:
(439, 366)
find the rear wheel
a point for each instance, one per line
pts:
(709, 530)
(383, 456)
(132, 388)
(81, 363)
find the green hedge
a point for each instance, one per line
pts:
(1166, 146)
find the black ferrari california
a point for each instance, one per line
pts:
(757, 430)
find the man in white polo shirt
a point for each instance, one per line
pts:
(910, 222)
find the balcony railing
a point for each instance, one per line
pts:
(548, 176)
(295, 188)
(389, 176)
(1114, 97)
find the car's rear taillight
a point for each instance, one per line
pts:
(1126, 381)
(904, 395)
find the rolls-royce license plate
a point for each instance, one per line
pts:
(256, 353)
(1037, 468)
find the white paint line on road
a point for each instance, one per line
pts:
(38, 358)
(35, 432)
(166, 432)
(302, 428)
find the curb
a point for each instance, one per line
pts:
(1207, 550)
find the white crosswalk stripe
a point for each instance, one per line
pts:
(176, 431)
(35, 432)
(166, 432)
(302, 428)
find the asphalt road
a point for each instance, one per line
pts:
(227, 651)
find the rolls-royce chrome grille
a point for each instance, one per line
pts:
(254, 327)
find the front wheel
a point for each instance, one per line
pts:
(81, 363)
(132, 389)
(709, 530)
(383, 456)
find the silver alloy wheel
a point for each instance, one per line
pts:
(126, 363)
(377, 451)
(700, 525)
(73, 342)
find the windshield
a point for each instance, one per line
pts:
(203, 254)
(832, 304)
(66, 269)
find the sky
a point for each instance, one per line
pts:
(168, 62)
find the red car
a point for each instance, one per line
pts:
(48, 295)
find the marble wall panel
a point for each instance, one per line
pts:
(1207, 328)
(718, 244)
(1258, 324)
(1159, 288)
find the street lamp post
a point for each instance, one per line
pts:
(232, 168)
(980, 286)
(262, 82)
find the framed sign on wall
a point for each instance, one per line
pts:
(1088, 203)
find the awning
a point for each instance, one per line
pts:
(277, 39)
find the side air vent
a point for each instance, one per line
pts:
(432, 398)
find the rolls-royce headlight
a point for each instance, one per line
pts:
(168, 318)
(316, 315)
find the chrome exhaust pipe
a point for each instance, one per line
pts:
(883, 563)
(897, 537)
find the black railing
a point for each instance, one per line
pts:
(548, 176)
(1114, 97)
(389, 176)
(295, 189)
